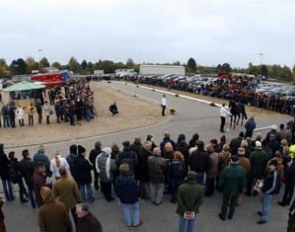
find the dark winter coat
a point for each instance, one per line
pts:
(176, 169)
(4, 166)
(88, 223)
(199, 161)
(143, 168)
(250, 125)
(71, 159)
(167, 140)
(126, 189)
(258, 160)
(27, 170)
(157, 169)
(232, 180)
(39, 181)
(271, 183)
(84, 168)
(40, 157)
(129, 157)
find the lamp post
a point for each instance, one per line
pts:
(39, 52)
(261, 56)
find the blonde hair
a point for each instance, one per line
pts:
(178, 156)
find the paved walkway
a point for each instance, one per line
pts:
(191, 117)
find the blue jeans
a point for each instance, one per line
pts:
(266, 206)
(127, 214)
(31, 196)
(7, 188)
(200, 178)
(86, 188)
(186, 225)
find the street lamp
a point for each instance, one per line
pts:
(260, 55)
(39, 52)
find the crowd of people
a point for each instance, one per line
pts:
(186, 170)
(238, 88)
(70, 104)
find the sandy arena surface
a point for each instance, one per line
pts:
(133, 113)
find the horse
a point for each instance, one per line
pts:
(235, 113)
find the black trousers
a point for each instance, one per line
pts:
(96, 176)
(228, 201)
(163, 110)
(222, 124)
(288, 193)
(40, 118)
(210, 185)
(74, 215)
(106, 189)
(22, 191)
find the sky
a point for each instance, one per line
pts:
(150, 31)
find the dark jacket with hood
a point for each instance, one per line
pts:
(84, 168)
(126, 189)
(4, 164)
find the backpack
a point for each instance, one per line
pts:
(14, 174)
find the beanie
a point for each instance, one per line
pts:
(81, 149)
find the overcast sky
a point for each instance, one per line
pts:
(159, 31)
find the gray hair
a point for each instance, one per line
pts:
(84, 207)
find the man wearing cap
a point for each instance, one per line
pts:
(270, 187)
(232, 182)
(189, 199)
(258, 160)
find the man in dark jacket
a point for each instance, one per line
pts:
(236, 143)
(258, 160)
(4, 174)
(189, 199)
(39, 111)
(270, 187)
(71, 159)
(167, 139)
(39, 180)
(127, 191)
(200, 162)
(26, 166)
(250, 126)
(143, 174)
(86, 220)
(129, 157)
(232, 182)
(289, 185)
(136, 146)
(291, 221)
(92, 157)
(84, 168)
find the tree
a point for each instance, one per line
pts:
(226, 67)
(264, 71)
(56, 65)
(44, 63)
(130, 63)
(293, 73)
(18, 67)
(74, 65)
(3, 66)
(31, 65)
(84, 64)
(192, 65)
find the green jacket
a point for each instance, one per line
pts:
(67, 191)
(232, 180)
(189, 198)
(258, 160)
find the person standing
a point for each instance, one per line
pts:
(291, 220)
(31, 112)
(20, 115)
(11, 113)
(86, 220)
(92, 157)
(48, 112)
(39, 180)
(224, 112)
(128, 193)
(53, 216)
(4, 174)
(212, 172)
(16, 177)
(41, 157)
(189, 199)
(164, 104)
(2, 223)
(250, 126)
(71, 159)
(84, 179)
(157, 168)
(232, 182)
(26, 166)
(105, 166)
(39, 111)
(271, 186)
(68, 193)
(129, 157)
(258, 160)
(56, 164)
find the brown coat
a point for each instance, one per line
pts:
(245, 163)
(53, 217)
(67, 191)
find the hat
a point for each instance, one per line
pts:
(126, 143)
(226, 147)
(81, 149)
(181, 137)
(258, 145)
(273, 162)
(274, 127)
(241, 134)
(234, 159)
(191, 175)
(241, 151)
(107, 150)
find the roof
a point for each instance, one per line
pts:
(23, 86)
